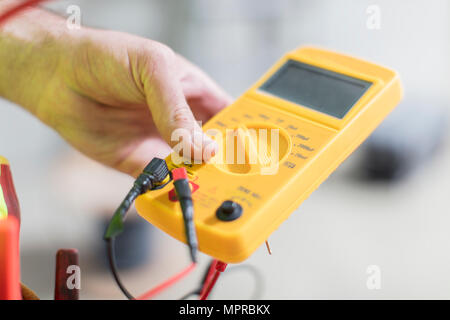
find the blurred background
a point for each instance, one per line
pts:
(385, 206)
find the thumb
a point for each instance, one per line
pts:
(171, 112)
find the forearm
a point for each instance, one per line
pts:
(30, 47)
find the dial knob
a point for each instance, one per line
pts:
(253, 149)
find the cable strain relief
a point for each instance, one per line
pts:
(158, 169)
(143, 183)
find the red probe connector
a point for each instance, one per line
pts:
(179, 173)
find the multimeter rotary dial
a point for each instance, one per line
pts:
(251, 148)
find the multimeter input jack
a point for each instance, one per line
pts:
(229, 211)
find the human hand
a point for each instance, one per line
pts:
(115, 97)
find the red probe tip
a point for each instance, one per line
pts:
(179, 173)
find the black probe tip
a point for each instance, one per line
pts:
(193, 250)
(191, 238)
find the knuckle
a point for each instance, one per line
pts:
(162, 55)
(180, 116)
(159, 59)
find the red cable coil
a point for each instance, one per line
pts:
(166, 284)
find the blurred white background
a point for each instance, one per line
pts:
(324, 249)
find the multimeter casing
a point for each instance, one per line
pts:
(312, 145)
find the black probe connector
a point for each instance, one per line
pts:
(152, 175)
(184, 196)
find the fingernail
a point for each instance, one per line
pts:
(210, 149)
(204, 146)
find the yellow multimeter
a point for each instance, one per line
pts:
(322, 105)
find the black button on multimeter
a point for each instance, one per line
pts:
(229, 211)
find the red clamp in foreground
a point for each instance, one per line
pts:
(9, 259)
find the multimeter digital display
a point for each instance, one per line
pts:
(316, 88)
(321, 104)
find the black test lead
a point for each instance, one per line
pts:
(151, 178)
(184, 195)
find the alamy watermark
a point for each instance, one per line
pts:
(374, 277)
(73, 21)
(373, 21)
(74, 280)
